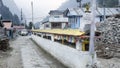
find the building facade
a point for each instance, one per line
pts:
(77, 16)
(55, 20)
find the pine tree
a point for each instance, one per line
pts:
(30, 25)
(108, 3)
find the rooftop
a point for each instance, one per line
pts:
(99, 11)
(70, 32)
(56, 12)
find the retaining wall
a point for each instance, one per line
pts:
(70, 57)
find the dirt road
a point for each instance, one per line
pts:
(26, 54)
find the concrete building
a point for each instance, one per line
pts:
(55, 20)
(76, 16)
(74, 19)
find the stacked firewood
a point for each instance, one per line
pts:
(109, 41)
(4, 43)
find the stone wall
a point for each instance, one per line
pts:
(108, 44)
(110, 31)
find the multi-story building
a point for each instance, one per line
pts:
(76, 16)
(55, 20)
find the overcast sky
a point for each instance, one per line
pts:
(41, 7)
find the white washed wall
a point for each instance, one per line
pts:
(63, 25)
(66, 55)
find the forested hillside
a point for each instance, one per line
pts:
(108, 3)
(7, 14)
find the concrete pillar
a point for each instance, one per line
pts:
(79, 45)
(52, 38)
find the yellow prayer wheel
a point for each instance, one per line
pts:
(83, 44)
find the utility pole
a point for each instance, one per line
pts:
(21, 16)
(104, 11)
(92, 32)
(32, 14)
(80, 3)
(118, 6)
(119, 3)
(25, 24)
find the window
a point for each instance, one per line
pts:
(56, 25)
(47, 25)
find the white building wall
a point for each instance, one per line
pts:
(62, 19)
(86, 19)
(66, 55)
(53, 18)
(63, 25)
(41, 26)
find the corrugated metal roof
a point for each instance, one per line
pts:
(46, 19)
(52, 19)
(75, 12)
(56, 12)
(99, 11)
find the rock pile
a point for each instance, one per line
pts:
(109, 40)
(110, 31)
(4, 41)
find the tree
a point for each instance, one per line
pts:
(7, 14)
(108, 3)
(16, 20)
(22, 24)
(30, 25)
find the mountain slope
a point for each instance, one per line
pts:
(12, 7)
(74, 4)
(108, 3)
(7, 14)
(71, 4)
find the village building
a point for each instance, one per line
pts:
(55, 20)
(8, 28)
(7, 24)
(76, 16)
(18, 28)
(68, 27)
